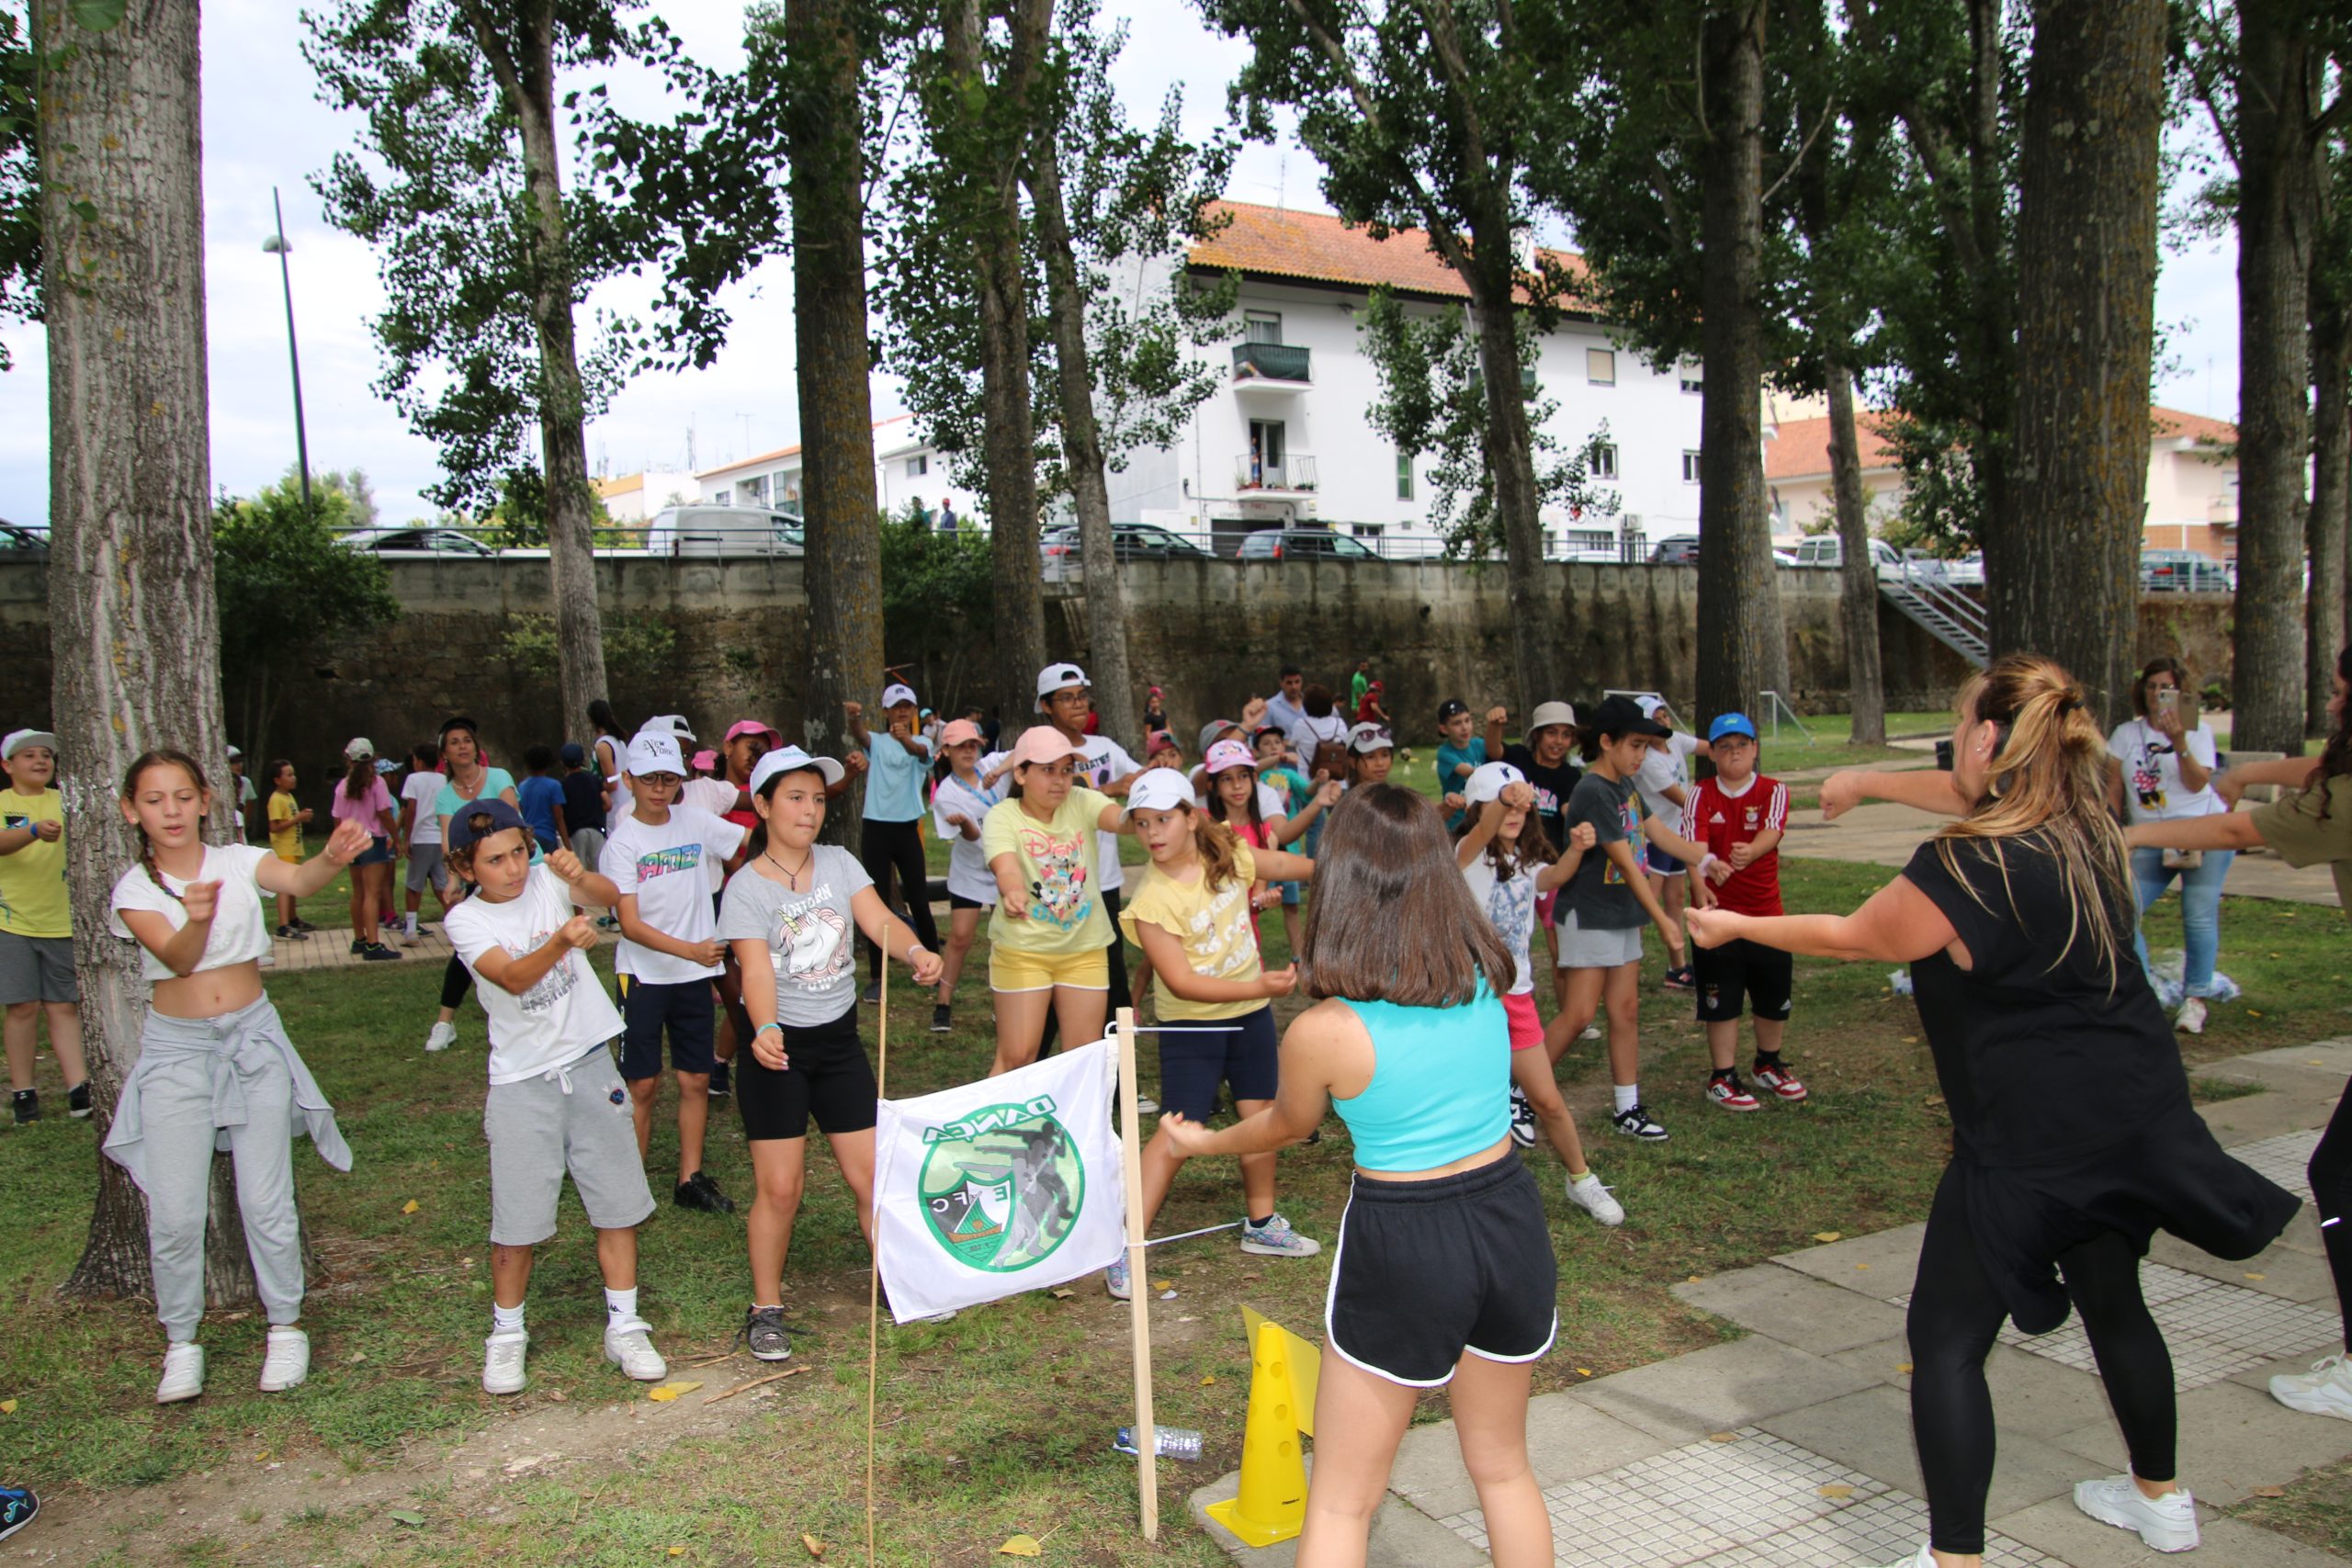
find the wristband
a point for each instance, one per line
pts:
(764, 1028)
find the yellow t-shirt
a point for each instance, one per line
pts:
(33, 898)
(285, 826)
(1058, 867)
(1218, 931)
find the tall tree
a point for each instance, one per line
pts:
(1426, 115)
(2328, 528)
(133, 627)
(485, 250)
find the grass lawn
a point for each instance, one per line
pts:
(1000, 1421)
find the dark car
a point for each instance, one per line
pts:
(415, 541)
(1129, 541)
(1682, 549)
(1302, 544)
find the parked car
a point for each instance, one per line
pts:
(1828, 551)
(1785, 558)
(1129, 541)
(2182, 571)
(414, 542)
(1681, 549)
(1307, 544)
(725, 531)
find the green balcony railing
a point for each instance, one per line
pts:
(1270, 362)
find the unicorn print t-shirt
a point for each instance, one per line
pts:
(1058, 867)
(810, 934)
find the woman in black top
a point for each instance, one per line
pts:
(2074, 1139)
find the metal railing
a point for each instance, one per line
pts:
(1270, 362)
(1293, 471)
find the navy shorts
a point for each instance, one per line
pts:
(1196, 1055)
(1661, 862)
(377, 852)
(683, 1008)
(1743, 970)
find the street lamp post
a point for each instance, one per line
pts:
(276, 245)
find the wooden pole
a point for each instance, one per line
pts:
(1139, 1281)
(874, 1281)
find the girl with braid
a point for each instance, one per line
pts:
(215, 1068)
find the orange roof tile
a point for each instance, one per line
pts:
(1802, 449)
(1276, 241)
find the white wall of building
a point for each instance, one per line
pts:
(632, 498)
(908, 470)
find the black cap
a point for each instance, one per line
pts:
(1621, 716)
(462, 832)
(1451, 706)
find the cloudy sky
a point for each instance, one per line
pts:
(262, 127)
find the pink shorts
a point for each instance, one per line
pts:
(1526, 1029)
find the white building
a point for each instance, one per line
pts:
(633, 498)
(1286, 439)
(906, 469)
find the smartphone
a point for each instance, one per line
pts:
(2168, 699)
(1943, 755)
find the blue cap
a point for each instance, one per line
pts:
(463, 833)
(1730, 724)
(572, 755)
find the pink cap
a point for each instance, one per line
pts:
(706, 760)
(1044, 743)
(958, 732)
(754, 727)
(1230, 754)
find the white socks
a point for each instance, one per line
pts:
(1628, 1095)
(506, 1320)
(619, 1304)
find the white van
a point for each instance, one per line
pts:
(705, 530)
(1827, 550)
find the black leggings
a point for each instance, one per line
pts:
(2330, 1174)
(1956, 1314)
(892, 852)
(456, 981)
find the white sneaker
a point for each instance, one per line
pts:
(2325, 1389)
(1925, 1559)
(288, 1360)
(2190, 1018)
(501, 1362)
(628, 1345)
(2166, 1524)
(1587, 1193)
(1591, 1032)
(1276, 1239)
(444, 1035)
(182, 1374)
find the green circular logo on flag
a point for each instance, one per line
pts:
(1001, 1187)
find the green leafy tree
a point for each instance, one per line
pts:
(938, 605)
(19, 187)
(286, 588)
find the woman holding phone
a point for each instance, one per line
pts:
(2165, 757)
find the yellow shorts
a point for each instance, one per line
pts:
(1010, 969)
(294, 859)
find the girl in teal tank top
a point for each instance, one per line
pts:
(1443, 1274)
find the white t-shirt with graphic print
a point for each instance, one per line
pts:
(560, 1018)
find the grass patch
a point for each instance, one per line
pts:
(2316, 1510)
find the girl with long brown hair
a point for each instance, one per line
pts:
(2074, 1137)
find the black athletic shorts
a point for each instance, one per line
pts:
(829, 1079)
(647, 1010)
(1426, 1270)
(1764, 976)
(1196, 1055)
(957, 901)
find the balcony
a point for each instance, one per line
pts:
(1293, 474)
(1275, 366)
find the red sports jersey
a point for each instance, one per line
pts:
(1723, 821)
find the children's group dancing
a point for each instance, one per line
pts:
(1412, 926)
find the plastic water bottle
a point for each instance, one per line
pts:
(1175, 1443)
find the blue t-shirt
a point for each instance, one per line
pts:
(894, 779)
(1449, 782)
(495, 782)
(539, 797)
(583, 800)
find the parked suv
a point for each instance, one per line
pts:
(1302, 544)
(1681, 549)
(1129, 541)
(724, 531)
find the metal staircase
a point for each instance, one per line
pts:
(1938, 608)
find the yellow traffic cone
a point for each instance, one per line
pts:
(1273, 1504)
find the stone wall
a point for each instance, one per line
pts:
(1211, 633)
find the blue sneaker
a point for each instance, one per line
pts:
(17, 1509)
(1276, 1239)
(1115, 1280)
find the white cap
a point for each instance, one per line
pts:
(1488, 782)
(17, 739)
(234, 754)
(892, 695)
(653, 752)
(1054, 677)
(1371, 736)
(360, 746)
(793, 759)
(1158, 789)
(672, 725)
(1651, 705)
(1549, 714)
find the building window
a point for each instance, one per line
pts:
(1366, 530)
(1600, 367)
(1403, 476)
(1261, 326)
(918, 465)
(1604, 459)
(1690, 467)
(755, 491)
(724, 498)
(1693, 383)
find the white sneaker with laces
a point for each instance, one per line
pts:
(2166, 1524)
(183, 1372)
(1591, 1032)
(502, 1363)
(1587, 1193)
(2325, 1389)
(443, 1036)
(628, 1345)
(286, 1361)
(1635, 1123)
(2190, 1018)
(1276, 1239)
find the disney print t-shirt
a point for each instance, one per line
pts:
(809, 933)
(1058, 861)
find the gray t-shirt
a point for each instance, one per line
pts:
(811, 936)
(1597, 894)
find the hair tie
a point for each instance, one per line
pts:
(2068, 704)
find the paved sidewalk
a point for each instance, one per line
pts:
(1791, 1447)
(330, 948)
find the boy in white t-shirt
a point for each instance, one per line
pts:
(556, 1102)
(420, 830)
(667, 861)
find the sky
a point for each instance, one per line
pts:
(264, 128)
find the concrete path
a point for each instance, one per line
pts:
(1791, 1447)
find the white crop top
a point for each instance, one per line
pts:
(239, 932)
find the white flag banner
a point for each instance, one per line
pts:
(994, 1187)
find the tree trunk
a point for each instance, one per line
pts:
(2326, 535)
(1106, 611)
(2068, 578)
(990, 165)
(133, 626)
(1510, 457)
(528, 79)
(844, 533)
(2278, 207)
(1744, 650)
(1858, 593)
